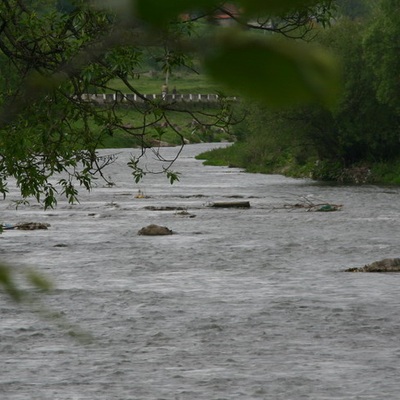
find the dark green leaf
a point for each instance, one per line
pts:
(274, 72)
(7, 283)
(159, 12)
(172, 177)
(274, 6)
(38, 280)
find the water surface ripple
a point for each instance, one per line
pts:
(238, 304)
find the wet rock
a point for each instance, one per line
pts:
(30, 226)
(231, 204)
(385, 265)
(185, 213)
(164, 208)
(155, 230)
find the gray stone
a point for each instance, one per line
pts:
(385, 265)
(155, 230)
(30, 226)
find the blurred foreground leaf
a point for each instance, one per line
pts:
(38, 281)
(12, 278)
(274, 6)
(277, 73)
(159, 12)
(7, 283)
(9, 276)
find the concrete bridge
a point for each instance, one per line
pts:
(169, 97)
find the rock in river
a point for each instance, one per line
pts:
(31, 226)
(386, 265)
(154, 230)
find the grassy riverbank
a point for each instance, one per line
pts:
(251, 155)
(239, 155)
(151, 83)
(183, 128)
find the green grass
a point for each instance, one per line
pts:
(151, 83)
(180, 120)
(386, 173)
(228, 156)
(182, 82)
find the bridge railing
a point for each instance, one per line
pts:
(168, 97)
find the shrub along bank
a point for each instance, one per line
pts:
(240, 155)
(358, 139)
(201, 125)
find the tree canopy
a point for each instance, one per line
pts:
(357, 139)
(381, 44)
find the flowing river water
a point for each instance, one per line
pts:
(237, 304)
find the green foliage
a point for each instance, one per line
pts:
(173, 176)
(337, 143)
(233, 156)
(386, 173)
(355, 9)
(33, 279)
(366, 128)
(137, 172)
(269, 142)
(7, 283)
(300, 73)
(160, 13)
(380, 46)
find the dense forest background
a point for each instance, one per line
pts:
(357, 139)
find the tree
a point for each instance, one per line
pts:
(381, 45)
(362, 128)
(54, 56)
(354, 9)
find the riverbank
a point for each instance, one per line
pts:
(237, 155)
(181, 127)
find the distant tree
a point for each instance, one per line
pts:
(355, 9)
(381, 44)
(362, 127)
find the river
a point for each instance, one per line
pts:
(237, 304)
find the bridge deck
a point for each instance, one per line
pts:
(133, 97)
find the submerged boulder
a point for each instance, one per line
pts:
(31, 226)
(155, 230)
(231, 204)
(385, 265)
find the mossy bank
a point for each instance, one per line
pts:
(241, 155)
